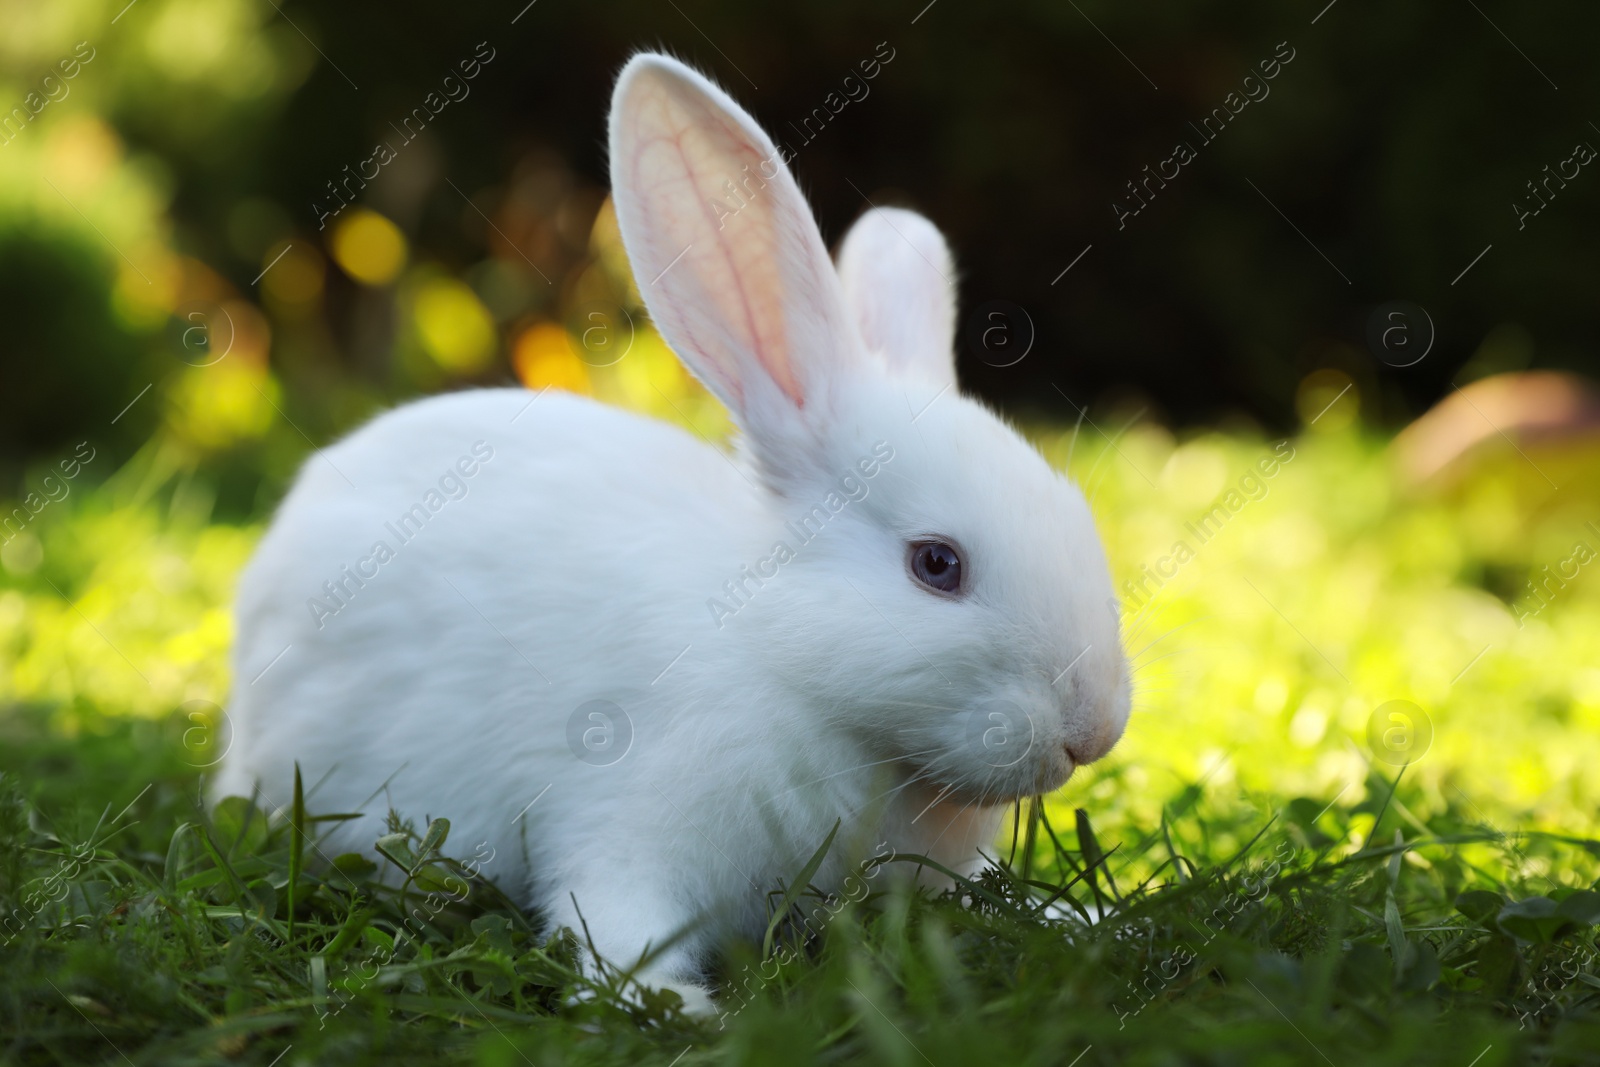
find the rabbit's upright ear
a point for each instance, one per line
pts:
(725, 250)
(900, 284)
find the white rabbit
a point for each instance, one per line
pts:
(887, 609)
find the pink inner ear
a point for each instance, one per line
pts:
(726, 295)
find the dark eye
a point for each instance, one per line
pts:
(936, 565)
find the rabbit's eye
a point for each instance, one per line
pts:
(936, 565)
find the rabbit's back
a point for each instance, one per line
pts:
(441, 592)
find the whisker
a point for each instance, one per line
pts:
(924, 775)
(1133, 627)
(918, 705)
(1073, 445)
(1168, 655)
(928, 850)
(862, 767)
(1091, 491)
(1169, 633)
(1111, 447)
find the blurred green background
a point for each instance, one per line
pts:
(140, 204)
(187, 317)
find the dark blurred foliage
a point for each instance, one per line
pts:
(1396, 142)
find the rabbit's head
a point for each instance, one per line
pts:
(947, 597)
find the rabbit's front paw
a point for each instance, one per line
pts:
(697, 1000)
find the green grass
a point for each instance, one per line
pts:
(154, 930)
(1274, 890)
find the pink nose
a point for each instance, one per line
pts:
(1108, 733)
(1103, 732)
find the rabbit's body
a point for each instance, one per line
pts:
(887, 611)
(444, 683)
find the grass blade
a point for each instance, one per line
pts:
(1034, 804)
(297, 837)
(796, 887)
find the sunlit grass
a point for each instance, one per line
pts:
(1274, 887)
(1332, 590)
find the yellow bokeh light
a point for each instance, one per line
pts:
(651, 373)
(455, 327)
(190, 38)
(369, 247)
(543, 358)
(293, 274)
(1327, 400)
(83, 153)
(221, 405)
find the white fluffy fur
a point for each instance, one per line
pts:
(580, 565)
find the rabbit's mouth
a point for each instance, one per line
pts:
(992, 787)
(1002, 751)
